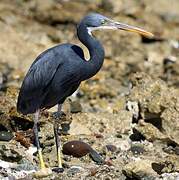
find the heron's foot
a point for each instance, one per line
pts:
(58, 169)
(43, 172)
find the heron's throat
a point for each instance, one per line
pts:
(96, 51)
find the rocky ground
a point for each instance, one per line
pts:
(128, 112)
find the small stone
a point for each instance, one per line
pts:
(98, 135)
(111, 147)
(75, 107)
(109, 162)
(93, 171)
(177, 150)
(58, 170)
(6, 136)
(137, 149)
(76, 148)
(43, 173)
(74, 170)
(139, 169)
(96, 157)
(163, 167)
(149, 132)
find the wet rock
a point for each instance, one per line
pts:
(139, 170)
(6, 136)
(76, 148)
(80, 149)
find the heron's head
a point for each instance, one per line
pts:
(96, 21)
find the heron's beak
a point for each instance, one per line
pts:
(127, 27)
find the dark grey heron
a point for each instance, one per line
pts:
(57, 72)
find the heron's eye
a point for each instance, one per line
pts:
(103, 22)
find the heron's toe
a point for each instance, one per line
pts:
(44, 172)
(58, 169)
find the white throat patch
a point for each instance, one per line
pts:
(91, 29)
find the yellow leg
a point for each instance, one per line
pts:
(58, 169)
(59, 158)
(42, 164)
(43, 171)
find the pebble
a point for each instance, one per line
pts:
(6, 136)
(75, 107)
(74, 170)
(43, 173)
(111, 147)
(137, 149)
(76, 148)
(96, 157)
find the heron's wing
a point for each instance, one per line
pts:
(34, 86)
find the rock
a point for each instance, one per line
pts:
(76, 148)
(6, 136)
(137, 149)
(111, 147)
(150, 132)
(96, 157)
(80, 149)
(9, 154)
(25, 165)
(25, 138)
(114, 6)
(140, 169)
(67, 9)
(159, 106)
(75, 107)
(170, 176)
(78, 125)
(42, 173)
(74, 170)
(168, 164)
(134, 108)
(120, 122)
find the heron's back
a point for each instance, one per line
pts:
(52, 77)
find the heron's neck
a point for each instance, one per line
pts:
(96, 52)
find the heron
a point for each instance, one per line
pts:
(57, 73)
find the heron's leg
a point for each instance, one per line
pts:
(35, 128)
(57, 139)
